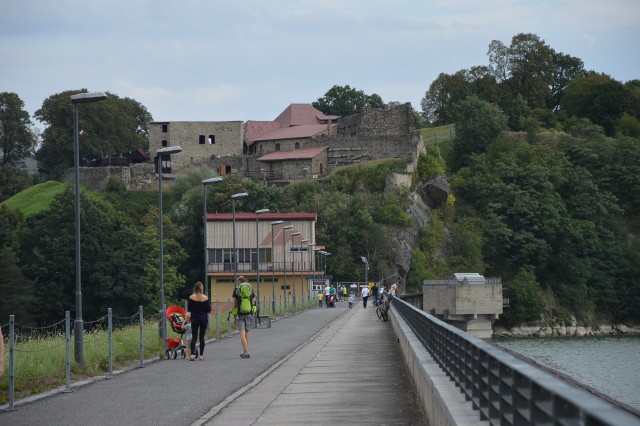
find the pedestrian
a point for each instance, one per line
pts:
(344, 291)
(365, 295)
(374, 294)
(246, 308)
(188, 336)
(327, 289)
(352, 299)
(199, 307)
(390, 296)
(320, 297)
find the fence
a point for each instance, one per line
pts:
(39, 358)
(504, 389)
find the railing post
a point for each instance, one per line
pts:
(67, 336)
(141, 317)
(110, 334)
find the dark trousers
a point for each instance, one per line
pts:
(198, 328)
(364, 301)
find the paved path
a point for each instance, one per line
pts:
(321, 366)
(351, 373)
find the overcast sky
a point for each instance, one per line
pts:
(211, 60)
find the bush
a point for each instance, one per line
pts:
(525, 299)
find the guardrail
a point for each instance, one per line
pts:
(504, 389)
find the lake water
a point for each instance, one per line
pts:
(610, 365)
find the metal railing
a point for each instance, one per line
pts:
(505, 389)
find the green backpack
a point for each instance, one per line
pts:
(244, 296)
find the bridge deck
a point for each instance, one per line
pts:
(323, 366)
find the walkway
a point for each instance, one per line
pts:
(323, 366)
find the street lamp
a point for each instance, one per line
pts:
(273, 269)
(302, 265)
(258, 213)
(78, 325)
(293, 265)
(310, 249)
(205, 182)
(162, 152)
(284, 260)
(366, 269)
(235, 197)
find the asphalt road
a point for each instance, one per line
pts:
(175, 392)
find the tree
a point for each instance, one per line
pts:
(17, 139)
(599, 98)
(12, 182)
(566, 69)
(112, 126)
(478, 123)
(443, 93)
(344, 100)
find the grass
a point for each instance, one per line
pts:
(39, 361)
(438, 135)
(36, 198)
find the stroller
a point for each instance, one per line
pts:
(331, 300)
(176, 316)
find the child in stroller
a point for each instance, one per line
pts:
(177, 318)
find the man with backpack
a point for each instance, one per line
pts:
(245, 308)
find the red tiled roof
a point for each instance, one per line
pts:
(263, 217)
(294, 132)
(296, 121)
(301, 115)
(296, 154)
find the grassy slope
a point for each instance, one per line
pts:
(35, 199)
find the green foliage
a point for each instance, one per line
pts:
(17, 138)
(344, 100)
(600, 99)
(430, 164)
(36, 198)
(478, 123)
(112, 126)
(525, 298)
(12, 182)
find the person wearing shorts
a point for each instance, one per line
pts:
(243, 321)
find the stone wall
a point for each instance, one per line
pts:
(220, 139)
(135, 177)
(397, 120)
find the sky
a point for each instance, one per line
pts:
(213, 60)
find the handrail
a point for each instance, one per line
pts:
(507, 390)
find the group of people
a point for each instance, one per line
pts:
(378, 294)
(197, 319)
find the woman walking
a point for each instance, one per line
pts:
(199, 307)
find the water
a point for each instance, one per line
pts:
(609, 364)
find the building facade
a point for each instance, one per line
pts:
(281, 254)
(200, 141)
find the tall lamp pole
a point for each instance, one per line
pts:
(235, 197)
(293, 265)
(258, 213)
(284, 259)
(305, 241)
(205, 183)
(273, 268)
(311, 251)
(163, 152)
(78, 325)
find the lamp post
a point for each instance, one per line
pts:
(306, 240)
(284, 260)
(258, 213)
(293, 265)
(205, 182)
(273, 269)
(78, 325)
(366, 270)
(162, 152)
(235, 197)
(311, 251)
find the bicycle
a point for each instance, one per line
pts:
(381, 312)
